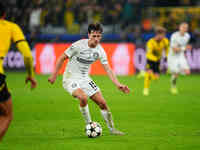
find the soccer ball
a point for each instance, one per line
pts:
(93, 129)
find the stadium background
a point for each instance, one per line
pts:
(124, 21)
(48, 118)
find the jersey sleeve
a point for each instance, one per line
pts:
(19, 39)
(23, 47)
(71, 51)
(103, 57)
(17, 34)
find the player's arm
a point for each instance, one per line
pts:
(110, 73)
(167, 48)
(69, 52)
(114, 79)
(59, 63)
(23, 47)
(189, 45)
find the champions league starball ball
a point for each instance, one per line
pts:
(93, 130)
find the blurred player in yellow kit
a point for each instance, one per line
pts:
(154, 51)
(11, 32)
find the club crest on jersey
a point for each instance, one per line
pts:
(95, 55)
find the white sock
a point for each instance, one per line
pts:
(86, 114)
(108, 118)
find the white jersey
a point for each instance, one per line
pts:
(81, 56)
(178, 40)
(177, 62)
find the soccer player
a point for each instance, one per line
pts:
(154, 51)
(76, 80)
(176, 60)
(11, 32)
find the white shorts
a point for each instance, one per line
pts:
(87, 85)
(177, 64)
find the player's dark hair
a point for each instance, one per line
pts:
(160, 30)
(2, 9)
(182, 23)
(95, 27)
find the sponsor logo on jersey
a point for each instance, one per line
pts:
(84, 61)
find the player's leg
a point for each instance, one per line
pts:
(100, 101)
(173, 65)
(6, 112)
(152, 73)
(182, 69)
(72, 86)
(174, 77)
(156, 70)
(6, 116)
(84, 109)
(178, 65)
(147, 80)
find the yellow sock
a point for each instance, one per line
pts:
(147, 79)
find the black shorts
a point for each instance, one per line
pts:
(153, 65)
(4, 93)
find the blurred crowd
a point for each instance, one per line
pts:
(117, 16)
(72, 14)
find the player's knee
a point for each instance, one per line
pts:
(149, 71)
(3, 112)
(156, 76)
(7, 114)
(83, 100)
(175, 74)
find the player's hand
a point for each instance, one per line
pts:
(177, 49)
(52, 79)
(32, 80)
(124, 88)
(189, 47)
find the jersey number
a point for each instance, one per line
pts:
(93, 85)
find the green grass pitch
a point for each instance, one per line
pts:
(48, 118)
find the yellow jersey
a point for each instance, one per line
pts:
(11, 32)
(154, 49)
